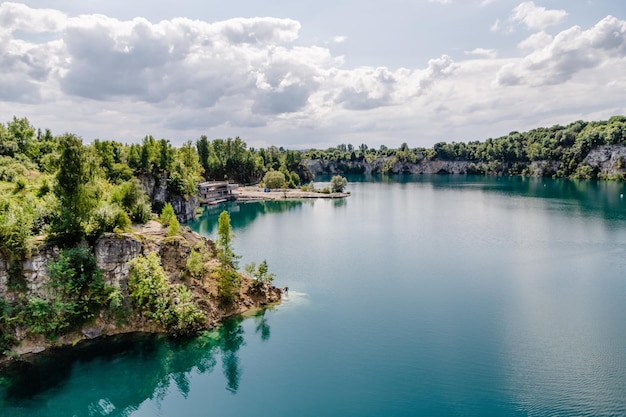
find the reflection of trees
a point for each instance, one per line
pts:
(241, 213)
(262, 326)
(120, 373)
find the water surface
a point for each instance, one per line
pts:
(433, 296)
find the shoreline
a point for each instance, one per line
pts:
(253, 193)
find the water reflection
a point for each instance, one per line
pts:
(131, 369)
(606, 199)
(242, 213)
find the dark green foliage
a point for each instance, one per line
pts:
(7, 339)
(130, 196)
(171, 306)
(77, 293)
(75, 191)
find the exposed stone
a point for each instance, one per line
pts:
(607, 160)
(92, 332)
(159, 194)
(113, 253)
(35, 270)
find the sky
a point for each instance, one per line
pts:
(311, 74)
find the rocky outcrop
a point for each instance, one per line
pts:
(608, 161)
(159, 194)
(35, 270)
(605, 161)
(113, 254)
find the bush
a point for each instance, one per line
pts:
(274, 179)
(79, 290)
(195, 264)
(16, 224)
(338, 184)
(132, 198)
(108, 218)
(171, 306)
(168, 219)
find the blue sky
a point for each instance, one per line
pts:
(311, 74)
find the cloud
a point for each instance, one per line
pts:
(440, 1)
(120, 79)
(482, 52)
(486, 2)
(495, 26)
(536, 17)
(556, 60)
(340, 39)
(535, 41)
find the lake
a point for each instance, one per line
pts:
(415, 296)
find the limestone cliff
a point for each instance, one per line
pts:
(604, 161)
(113, 253)
(159, 194)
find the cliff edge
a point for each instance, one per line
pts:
(23, 281)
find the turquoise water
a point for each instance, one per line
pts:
(420, 296)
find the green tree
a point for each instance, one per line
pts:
(224, 242)
(260, 274)
(74, 189)
(168, 219)
(338, 183)
(229, 283)
(274, 179)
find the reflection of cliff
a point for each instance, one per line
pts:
(131, 369)
(241, 214)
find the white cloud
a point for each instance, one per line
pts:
(556, 60)
(487, 2)
(340, 39)
(535, 41)
(440, 1)
(482, 52)
(495, 26)
(120, 79)
(536, 17)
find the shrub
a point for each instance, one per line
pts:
(195, 264)
(171, 306)
(274, 179)
(168, 219)
(338, 184)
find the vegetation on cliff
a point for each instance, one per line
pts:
(58, 190)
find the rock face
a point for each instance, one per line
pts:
(35, 270)
(607, 161)
(159, 194)
(113, 254)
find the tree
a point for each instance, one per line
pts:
(224, 242)
(168, 219)
(74, 188)
(260, 274)
(229, 282)
(338, 183)
(274, 179)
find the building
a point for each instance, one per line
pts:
(216, 191)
